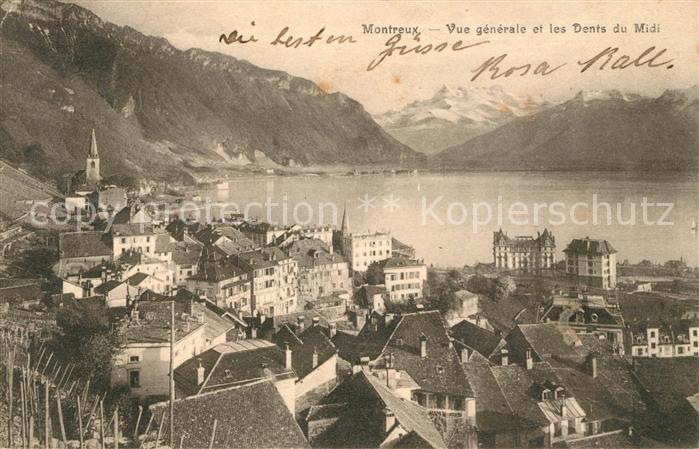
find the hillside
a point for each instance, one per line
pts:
(454, 115)
(19, 191)
(591, 131)
(159, 111)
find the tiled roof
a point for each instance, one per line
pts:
(492, 411)
(108, 286)
(355, 400)
(313, 339)
(252, 416)
(132, 229)
(137, 278)
(265, 257)
(214, 267)
(439, 372)
(401, 262)
(313, 252)
(521, 386)
(590, 247)
(232, 363)
(583, 314)
(84, 244)
(177, 228)
(481, 340)
(668, 380)
(153, 325)
(186, 252)
(545, 340)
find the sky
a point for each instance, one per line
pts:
(399, 80)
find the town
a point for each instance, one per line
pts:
(139, 330)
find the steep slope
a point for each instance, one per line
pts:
(594, 132)
(159, 111)
(453, 116)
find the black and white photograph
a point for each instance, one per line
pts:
(349, 224)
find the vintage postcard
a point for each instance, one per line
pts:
(331, 224)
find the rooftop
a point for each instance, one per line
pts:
(84, 244)
(232, 363)
(247, 416)
(590, 247)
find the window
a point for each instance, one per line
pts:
(652, 334)
(652, 345)
(134, 379)
(134, 359)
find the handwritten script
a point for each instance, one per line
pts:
(497, 66)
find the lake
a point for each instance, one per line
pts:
(446, 216)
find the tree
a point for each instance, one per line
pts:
(503, 287)
(35, 263)
(88, 341)
(374, 274)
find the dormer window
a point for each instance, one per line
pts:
(440, 369)
(546, 394)
(399, 342)
(594, 317)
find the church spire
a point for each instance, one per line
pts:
(345, 221)
(93, 147)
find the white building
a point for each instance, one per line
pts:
(591, 262)
(665, 339)
(363, 249)
(404, 278)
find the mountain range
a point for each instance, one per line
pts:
(454, 115)
(603, 130)
(162, 112)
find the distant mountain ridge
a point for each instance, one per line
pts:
(454, 115)
(162, 112)
(592, 131)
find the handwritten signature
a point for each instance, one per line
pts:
(494, 67)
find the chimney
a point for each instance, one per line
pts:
(200, 372)
(315, 321)
(333, 330)
(464, 354)
(529, 361)
(300, 323)
(593, 366)
(287, 359)
(315, 357)
(390, 419)
(503, 356)
(423, 346)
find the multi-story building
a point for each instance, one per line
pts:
(679, 338)
(143, 360)
(591, 262)
(221, 281)
(80, 251)
(404, 278)
(261, 233)
(321, 272)
(362, 249)
(524, 252)
(585, 315)
(274, 280)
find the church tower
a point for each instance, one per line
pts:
(344, 229)
(92, 166)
